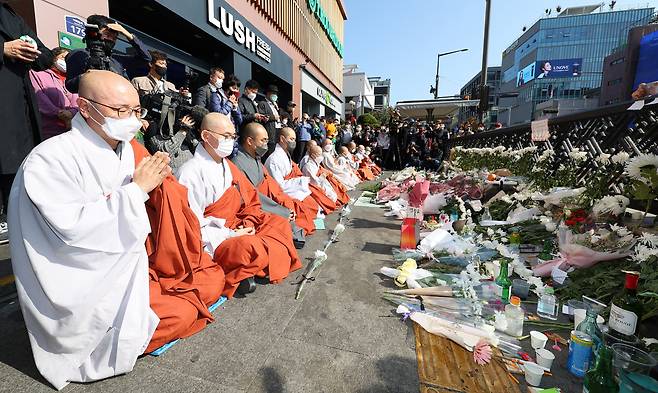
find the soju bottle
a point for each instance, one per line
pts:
(626, 309)
(503, 282)
(599, 379)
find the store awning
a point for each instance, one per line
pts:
(435, 108)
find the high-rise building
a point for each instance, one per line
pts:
(382, 89)
(558, 60)
(471, 91)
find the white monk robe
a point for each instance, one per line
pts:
(206, 182)
(311, 168)
(78, 227)
(280, 166)
(348, 162)
(343, 173)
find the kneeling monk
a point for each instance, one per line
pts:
(311, 167)
(78, 226)
(253, 144)
(244, 240)
(290, 177)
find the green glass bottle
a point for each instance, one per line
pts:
(626, 310)
(599, 378)
(503, 282)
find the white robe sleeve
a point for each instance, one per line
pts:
(83, 223)
(213, 229)
(296, 188)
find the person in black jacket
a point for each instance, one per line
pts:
(270, 109)
(77, 61)
(248, 105)
(19, 114)
(203, 93)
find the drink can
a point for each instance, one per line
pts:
(580, 353)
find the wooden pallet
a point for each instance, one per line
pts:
(445, 367)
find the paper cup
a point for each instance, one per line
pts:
(545, 358)
(538, 340)
(533, 373)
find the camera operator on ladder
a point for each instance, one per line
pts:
(101, 35)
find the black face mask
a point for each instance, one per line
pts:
(162, 71)
(108, 45)
(261, 150)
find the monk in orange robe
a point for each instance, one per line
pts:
(184, 280)
(243, 239)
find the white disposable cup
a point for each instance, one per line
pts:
(545, 358)
(533, 373)
(580, 314)
(538, 340)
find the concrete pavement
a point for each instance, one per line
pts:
(340, 337)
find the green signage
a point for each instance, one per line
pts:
(69, 41)
(318, 11)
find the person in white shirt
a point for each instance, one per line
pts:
(79, 224)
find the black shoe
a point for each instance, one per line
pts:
(298, 245)
(246, 286)
(4, 233)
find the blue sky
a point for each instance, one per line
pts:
(400, 39)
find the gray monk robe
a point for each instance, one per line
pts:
(254, 170)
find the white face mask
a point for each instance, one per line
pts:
(123, 130)
(60, 64)
(274, 97)
(225, 148)
(327, 148)
(318, 160)
(251, 96)
(219, 83)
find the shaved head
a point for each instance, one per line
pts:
(343, 150)
(218, 123)
(99, 93)
(311, 143)
(254, 136)
(287, 132)
(253, 130)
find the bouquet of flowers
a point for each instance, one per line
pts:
(585, 250)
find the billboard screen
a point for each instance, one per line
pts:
(525, 75)
(560, 68)
(647, 62)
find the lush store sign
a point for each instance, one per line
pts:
(236, 28)
(321, 15)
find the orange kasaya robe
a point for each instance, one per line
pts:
(364, 171)
(270, 251)
(316, 192)
(305, 210)
(184, 280)
(341, 191)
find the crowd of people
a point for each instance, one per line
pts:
(120, 246)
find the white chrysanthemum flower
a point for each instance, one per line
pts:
(603, 158)
(550, 227)
(578, 155)
(635, 165)
(649, 239)
(340, 228)
(490, 232)
(319, 254)
(611, 204)
(620, 158)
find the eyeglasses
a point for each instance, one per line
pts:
(123, 112)
(224, 136)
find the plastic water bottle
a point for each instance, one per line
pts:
(547, 306)
(514, 315)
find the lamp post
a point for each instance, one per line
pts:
(485, 52)
(438, 58)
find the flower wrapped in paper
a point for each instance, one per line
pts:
(585, 250)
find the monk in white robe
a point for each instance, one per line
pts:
(78, 226)
(310, 166)
(290, 177)
(344, 174)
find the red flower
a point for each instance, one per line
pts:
(570, 223)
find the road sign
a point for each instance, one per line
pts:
(69, 41)
(75, 25)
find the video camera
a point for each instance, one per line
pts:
(166, 110)
(98, 57)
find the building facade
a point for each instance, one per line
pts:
(294, 44)
(471, 91)
(382, 89)
(561, 58)
(359, 93)
(619, 67)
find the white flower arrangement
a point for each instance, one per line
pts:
(611, 204)
(635, 165)
(646, 248)
(603, 158)
(620, 158)
(578, 155)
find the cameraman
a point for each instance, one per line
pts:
(182, 144)
(155, 81)
(77, 62)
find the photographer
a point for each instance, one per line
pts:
(180, 145)
(98, 54)
(155, 81)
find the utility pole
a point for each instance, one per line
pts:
(485, 53)
(435, 89)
